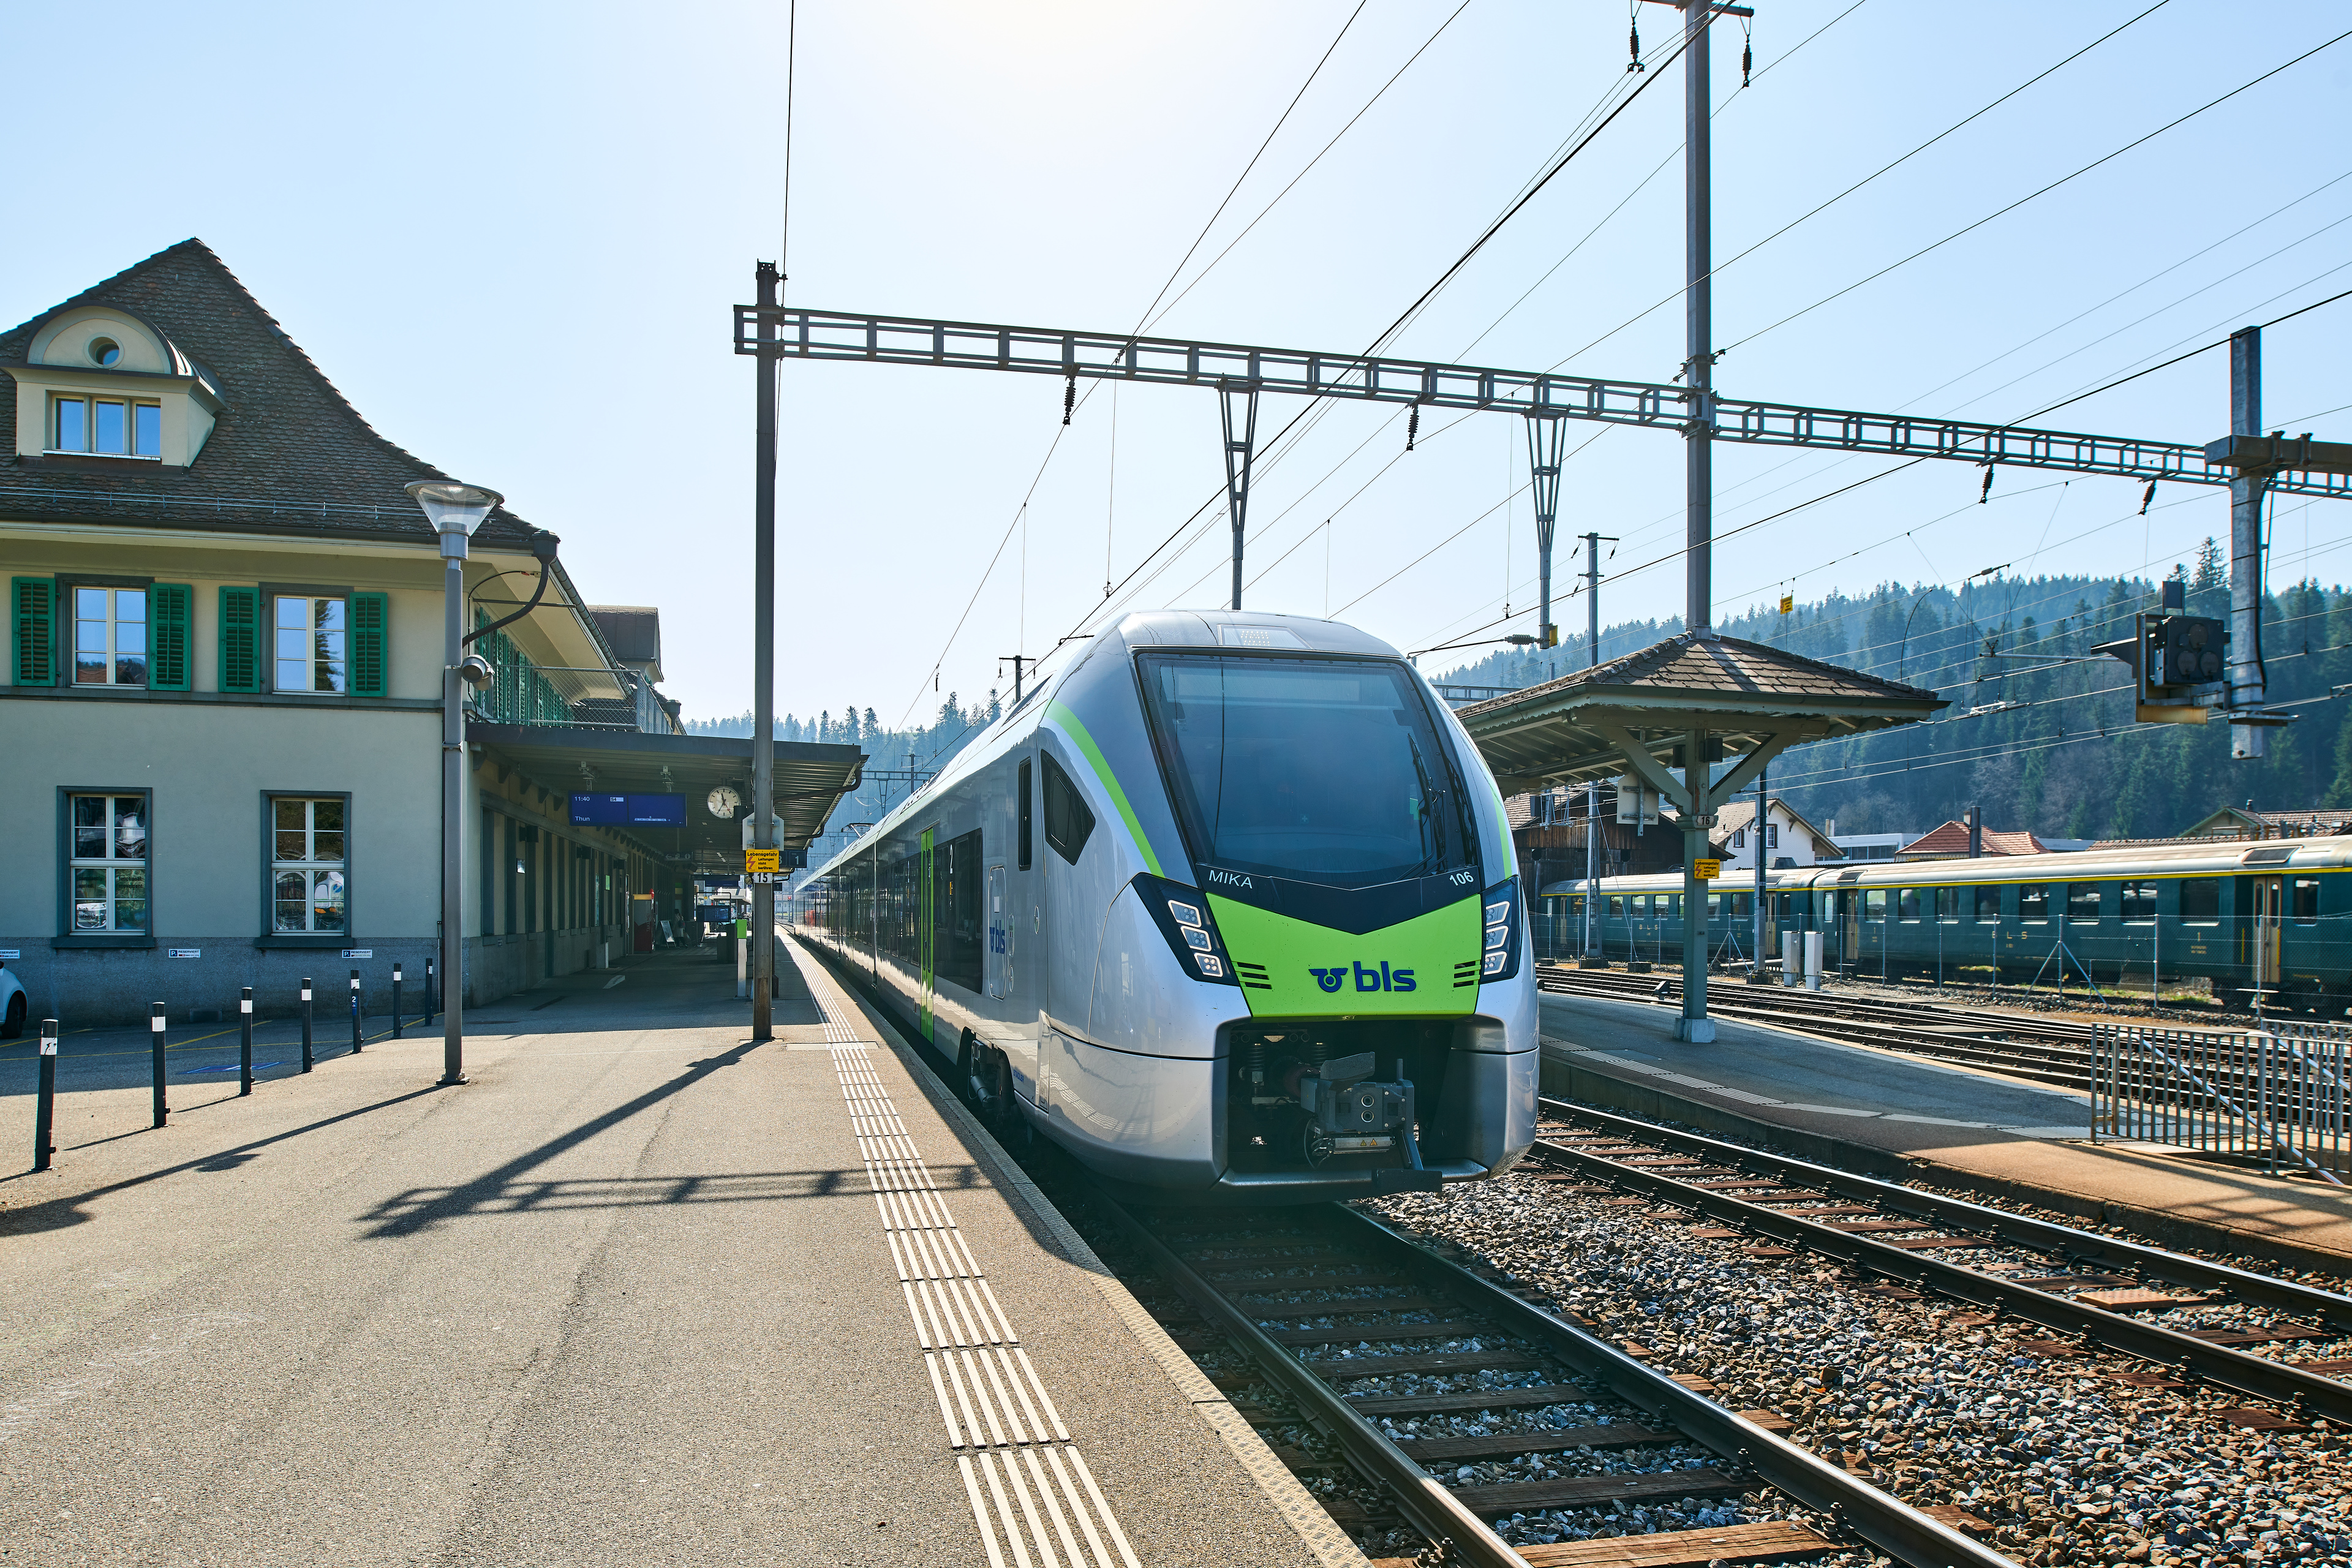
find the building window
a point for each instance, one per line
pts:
(309, 891)
(1771, 836)
(1739, 838)
(309, 650)
(108, 864)
(110, 636)
(109, 427)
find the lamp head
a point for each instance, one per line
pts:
(543, 545)
(475, 670)
(454, 510)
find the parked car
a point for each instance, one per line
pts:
(12, 1004)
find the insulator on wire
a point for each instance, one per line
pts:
(1747, 49)
(1069, 396)
(1411, 426)
(1987, 491)
(2149, 496)
(1634, 39)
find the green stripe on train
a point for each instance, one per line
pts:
(1291, 969)
(1086, 742)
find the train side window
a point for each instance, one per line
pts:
(1948, 903)
(1020, 788)
(1906, 903)
(2033, 902)
(2200, 900)
(1743, 907)
(1715, 906)
(1873, 904)
(1988, 905)
(1670, 906)
(2304, 908)
(1641, 906)
(2082, 903)
(1616, 906)
(1069, 820)
(2139, 901)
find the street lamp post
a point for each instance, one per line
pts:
(455, 511)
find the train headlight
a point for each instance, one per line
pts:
(1499, 957)
(1183, 919)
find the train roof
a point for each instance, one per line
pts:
(1240, 630)
(2214, 858)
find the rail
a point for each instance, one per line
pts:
(2276, 1093)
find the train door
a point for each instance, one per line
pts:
(1025, 926)
(926, 936)
(2265, 926)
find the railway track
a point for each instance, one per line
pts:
(1335, 1312)
(2091, 1287)
(2051, 1051)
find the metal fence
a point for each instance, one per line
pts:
(2276, 1094)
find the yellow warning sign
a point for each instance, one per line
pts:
(1708, 870)
(763, 859)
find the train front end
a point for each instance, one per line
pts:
(1348, 903)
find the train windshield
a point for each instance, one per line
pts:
(1326, 770)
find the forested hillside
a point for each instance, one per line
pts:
(2040, 731)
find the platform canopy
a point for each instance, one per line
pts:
(1638, 714)
(811, 779)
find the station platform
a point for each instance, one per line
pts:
(1885, 1113)
(640, 1292)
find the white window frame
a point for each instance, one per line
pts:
(109, 865)
(309, 866)
(115, 622)
(89, 402)
(311, 663)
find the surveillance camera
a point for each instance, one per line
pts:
(476, 670)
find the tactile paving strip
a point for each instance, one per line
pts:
(1032, 1495)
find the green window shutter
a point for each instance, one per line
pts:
(168, 607)
(32, 602)
(371, 638)
(240, 639)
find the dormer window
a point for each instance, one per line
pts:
(108, 427)
(104, 351)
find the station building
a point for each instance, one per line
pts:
(220, 709)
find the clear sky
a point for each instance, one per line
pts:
(511, 235)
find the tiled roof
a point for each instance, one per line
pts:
(288, 455)
(1692, 661)
(1952, 839)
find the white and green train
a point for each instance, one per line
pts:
(1227, 904)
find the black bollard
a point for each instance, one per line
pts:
(429, 1008)
(395, 1002)
(306, 1022)
(355, 1013)
(45, 1107)
(244, 1042)
(155, 1038)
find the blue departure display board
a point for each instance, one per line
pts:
(628, 811)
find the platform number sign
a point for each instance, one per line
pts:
(1706, 871)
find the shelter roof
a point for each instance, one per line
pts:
(811, 779)
(1736, 691)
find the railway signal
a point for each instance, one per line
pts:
(2177, 661)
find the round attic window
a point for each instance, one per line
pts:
(104, 351)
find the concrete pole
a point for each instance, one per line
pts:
(1699, 313)
(763, 667)
(1763, 836)
(1694, 1026)
(2245, 670)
